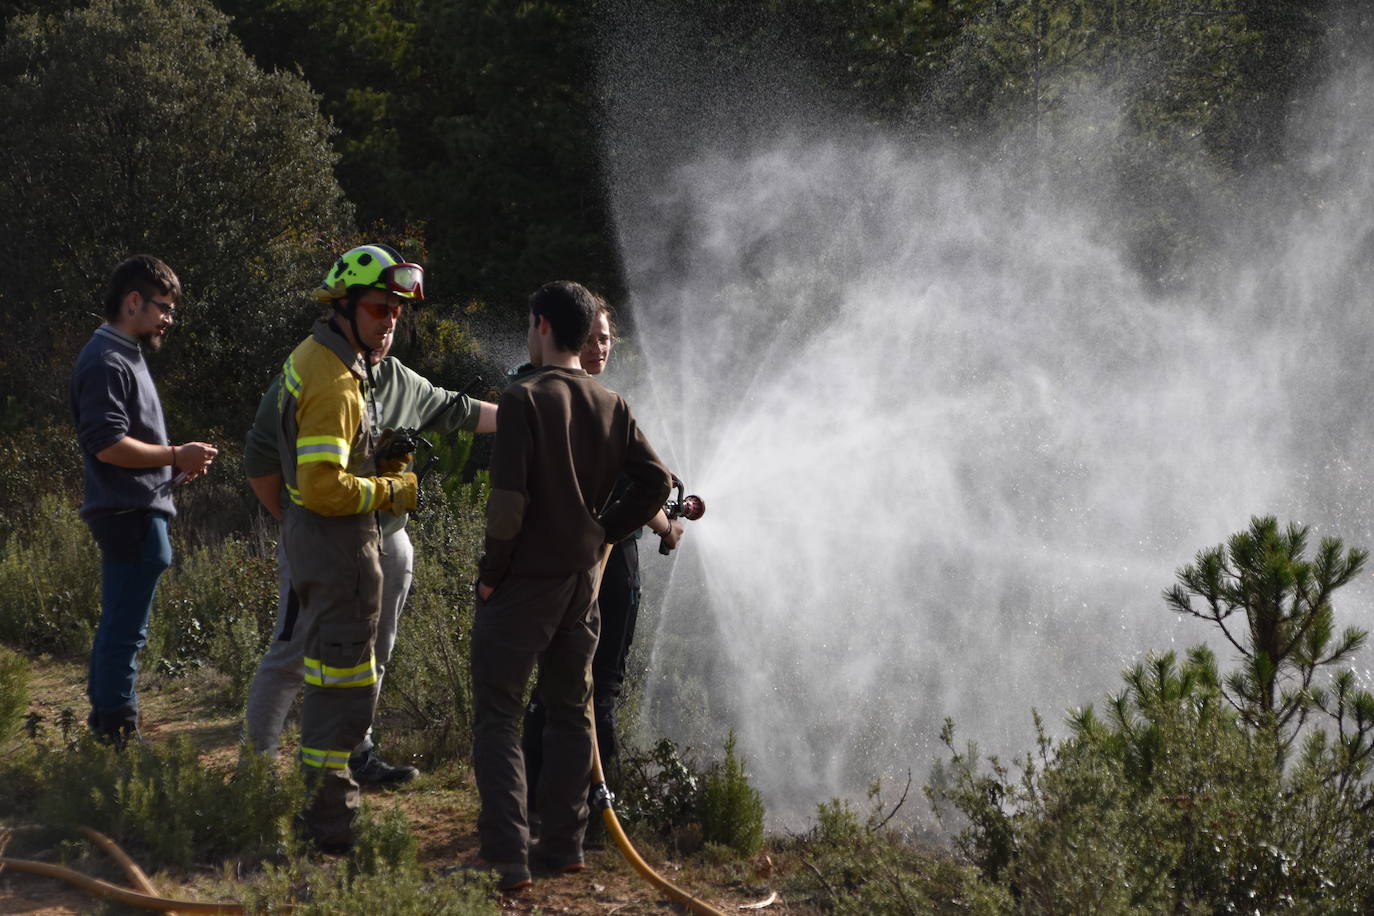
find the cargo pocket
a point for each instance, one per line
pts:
(345, 658)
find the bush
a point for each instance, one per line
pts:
(1183, 797)
(866, 867)
(385, 878)
(161, 798)
(660, 789)
(732, 809)
(50, 582)
(217, 607)
(425, 698)
(14, 692)
(1172, 805)
(312, 890)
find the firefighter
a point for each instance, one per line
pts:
(336, 487)
(404, 399)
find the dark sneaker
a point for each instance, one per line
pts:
(509, 877)
(558, 865)
(369, 770)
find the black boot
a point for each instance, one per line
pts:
(370, 770)
(116, 728)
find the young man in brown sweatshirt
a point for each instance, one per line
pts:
(562, 440)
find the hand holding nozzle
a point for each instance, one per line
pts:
(688, 507)
(395, 451)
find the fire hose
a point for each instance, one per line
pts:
(691, 508)
(145, 897)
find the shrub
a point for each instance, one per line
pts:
(14, 692)
(50, 581)
(1170, 804)
(660, 789)
(217, 607)
(163, 799)
(865, 867)
(732, 809)
(312, 890)
(425, 699)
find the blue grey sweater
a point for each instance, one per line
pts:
(113, 396)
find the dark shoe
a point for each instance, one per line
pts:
(558, 865)
(116, 729)
(371, 771)
(509, 877)
(335, 844)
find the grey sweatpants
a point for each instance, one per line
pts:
(279, 677)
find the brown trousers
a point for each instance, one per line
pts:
(552, 622)
(336, 573)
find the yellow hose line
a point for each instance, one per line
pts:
(613, 827)
(115, 892)
(137, 876)
(673, 892)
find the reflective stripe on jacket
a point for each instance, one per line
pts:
(325, 440)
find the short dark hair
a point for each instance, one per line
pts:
(144, 273)
(569, 308)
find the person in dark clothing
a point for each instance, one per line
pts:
(617, 599)
(562, 441)
(129, 466)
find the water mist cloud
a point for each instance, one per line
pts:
(952, 444)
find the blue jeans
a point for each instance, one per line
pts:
(134, 552)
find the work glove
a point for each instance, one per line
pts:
(404, 489)
(386, 466)
(395, 451)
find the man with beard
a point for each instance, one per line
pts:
(130, 466)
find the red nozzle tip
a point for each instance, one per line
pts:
(693, 508)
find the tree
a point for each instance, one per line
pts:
(360, 56)
(511, 189)
(1284, 602)
(147, 128)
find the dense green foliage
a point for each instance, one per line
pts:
(160, 798)
(732, 809)
(147, 128)
(14, 691)
(868, 867)
(1179, 799)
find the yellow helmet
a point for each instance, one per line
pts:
(372, 267)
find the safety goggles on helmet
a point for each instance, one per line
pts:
(405, 279)
(372, 267)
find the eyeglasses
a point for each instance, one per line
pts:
(167, 308)
(405, 278)
(380, 310)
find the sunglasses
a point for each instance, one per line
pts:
(380, 310)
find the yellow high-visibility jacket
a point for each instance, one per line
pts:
(326, 439)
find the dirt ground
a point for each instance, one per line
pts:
(440, 807)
